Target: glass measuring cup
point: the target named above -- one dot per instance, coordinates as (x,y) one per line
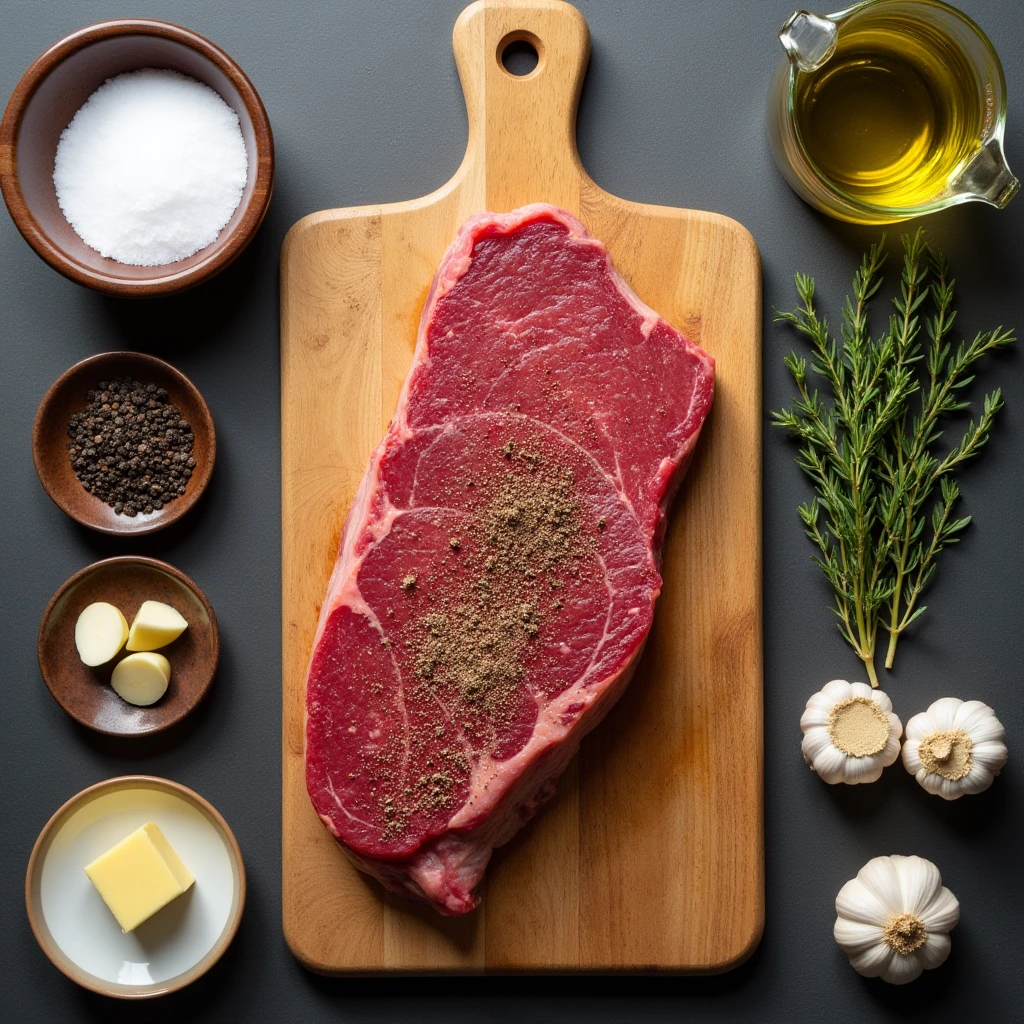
(811,41)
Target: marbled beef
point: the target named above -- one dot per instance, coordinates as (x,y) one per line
(498,569)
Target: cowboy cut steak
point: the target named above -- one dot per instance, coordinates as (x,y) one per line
(498,569)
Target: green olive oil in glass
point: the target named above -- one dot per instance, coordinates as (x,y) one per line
(888,110)
(892,114)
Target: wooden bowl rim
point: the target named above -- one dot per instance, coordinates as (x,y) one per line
(41,931)
(177,508)
(153,563)
(223,251)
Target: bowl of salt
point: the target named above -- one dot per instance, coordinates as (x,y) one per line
(136,158)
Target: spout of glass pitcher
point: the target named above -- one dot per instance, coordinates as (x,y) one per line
(808,39)
(988,177)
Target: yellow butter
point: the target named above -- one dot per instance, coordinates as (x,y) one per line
(139,876)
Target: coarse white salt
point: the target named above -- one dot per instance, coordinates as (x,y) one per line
(151,167)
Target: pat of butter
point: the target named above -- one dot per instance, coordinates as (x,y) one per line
(139,876)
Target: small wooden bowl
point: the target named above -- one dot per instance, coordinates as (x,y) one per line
(125,582)
(179,943)
(70,394)
(48,97)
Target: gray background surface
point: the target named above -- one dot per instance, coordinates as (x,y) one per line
(366,107)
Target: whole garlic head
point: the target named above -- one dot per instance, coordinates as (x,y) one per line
(893,920)
(956,747)
(850,732)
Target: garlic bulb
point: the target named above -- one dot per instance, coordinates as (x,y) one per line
(850,732)
(893,920)
(955,747)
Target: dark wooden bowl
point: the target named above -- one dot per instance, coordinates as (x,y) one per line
(125,582)
(48,97)
(70,394)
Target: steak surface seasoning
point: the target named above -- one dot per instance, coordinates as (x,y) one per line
(131,447)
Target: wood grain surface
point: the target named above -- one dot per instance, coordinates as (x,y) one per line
(650,857)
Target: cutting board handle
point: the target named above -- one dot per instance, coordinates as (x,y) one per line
(522,129)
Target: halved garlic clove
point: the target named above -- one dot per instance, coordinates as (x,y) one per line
(141,679)
(155,625)
(100,633)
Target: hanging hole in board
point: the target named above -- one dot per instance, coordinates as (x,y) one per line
(519,53)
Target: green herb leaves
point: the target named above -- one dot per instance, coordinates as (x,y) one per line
(884,494)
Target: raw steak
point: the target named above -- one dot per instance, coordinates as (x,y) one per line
(498,569)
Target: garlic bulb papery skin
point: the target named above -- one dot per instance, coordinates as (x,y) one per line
(893,920)
(956,747)
(850,732)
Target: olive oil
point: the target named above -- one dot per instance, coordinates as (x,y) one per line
(893,114)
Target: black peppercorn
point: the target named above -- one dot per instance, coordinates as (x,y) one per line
(124,443)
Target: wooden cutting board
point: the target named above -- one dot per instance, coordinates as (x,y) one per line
(650,857)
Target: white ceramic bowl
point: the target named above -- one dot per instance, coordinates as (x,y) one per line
(75,928)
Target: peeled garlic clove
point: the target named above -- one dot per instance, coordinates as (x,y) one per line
(850,732)
(155,625)
(100,633)
(955,748)
(893,920)
(141,679)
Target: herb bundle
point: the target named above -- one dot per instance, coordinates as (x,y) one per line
(884,488)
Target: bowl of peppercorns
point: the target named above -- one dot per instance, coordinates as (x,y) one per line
(124,443)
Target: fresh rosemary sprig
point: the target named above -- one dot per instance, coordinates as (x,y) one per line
(871,451)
